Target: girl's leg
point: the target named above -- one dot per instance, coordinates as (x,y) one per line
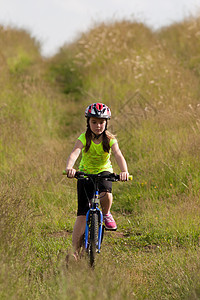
(78,231)
(106,202)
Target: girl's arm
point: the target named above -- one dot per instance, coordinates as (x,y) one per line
(72,159)
(120,161)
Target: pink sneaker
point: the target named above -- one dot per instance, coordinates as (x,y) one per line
(109,222)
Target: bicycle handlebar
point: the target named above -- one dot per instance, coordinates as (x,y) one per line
(110,177)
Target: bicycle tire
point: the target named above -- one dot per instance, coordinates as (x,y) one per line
(93,238)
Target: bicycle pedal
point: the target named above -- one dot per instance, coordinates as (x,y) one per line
(108,229)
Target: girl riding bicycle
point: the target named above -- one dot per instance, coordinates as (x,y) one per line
(96,145)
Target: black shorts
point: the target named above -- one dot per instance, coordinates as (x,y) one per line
(85,191)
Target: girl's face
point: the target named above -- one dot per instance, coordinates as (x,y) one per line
(97,125)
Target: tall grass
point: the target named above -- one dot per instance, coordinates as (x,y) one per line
(151,82)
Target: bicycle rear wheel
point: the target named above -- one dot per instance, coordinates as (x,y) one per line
(93,238)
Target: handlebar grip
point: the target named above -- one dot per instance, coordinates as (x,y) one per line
(130,177)
(78,174)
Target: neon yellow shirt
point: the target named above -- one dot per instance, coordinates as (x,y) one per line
(95,160)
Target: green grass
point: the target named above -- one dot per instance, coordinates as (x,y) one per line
(154,76)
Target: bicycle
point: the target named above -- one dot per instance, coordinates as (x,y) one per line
(94,229)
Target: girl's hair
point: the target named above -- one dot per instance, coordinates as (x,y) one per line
(107,136)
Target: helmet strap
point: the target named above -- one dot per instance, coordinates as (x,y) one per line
(97,136)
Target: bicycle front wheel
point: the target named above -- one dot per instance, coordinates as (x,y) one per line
(93,238)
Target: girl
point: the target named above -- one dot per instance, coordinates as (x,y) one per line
(96,145)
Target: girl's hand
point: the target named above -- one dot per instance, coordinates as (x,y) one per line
(71,172)
(123,176)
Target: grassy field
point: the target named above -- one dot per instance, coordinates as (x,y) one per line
(151,81)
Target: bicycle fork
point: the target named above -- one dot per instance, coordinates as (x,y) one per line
(94,210)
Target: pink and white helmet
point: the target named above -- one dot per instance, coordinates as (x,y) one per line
(98,110)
